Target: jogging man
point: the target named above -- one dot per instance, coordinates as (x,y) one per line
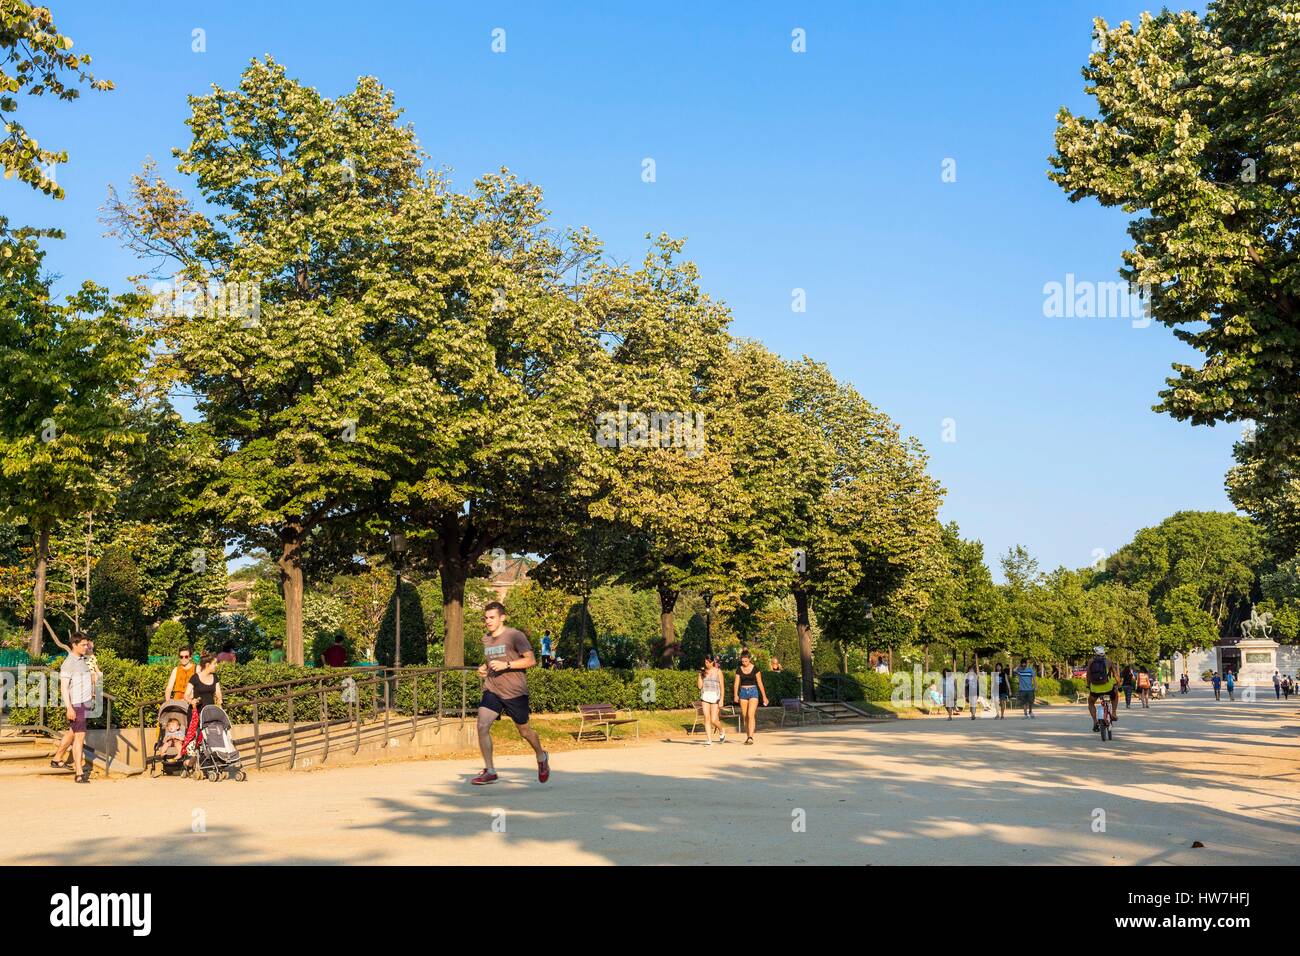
(1102,682)
(1026,682)
(507,655)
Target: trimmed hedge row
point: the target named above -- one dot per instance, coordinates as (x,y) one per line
(132,684)
(871,686)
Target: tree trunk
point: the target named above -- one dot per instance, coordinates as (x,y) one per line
(291,584)
(38,608)
(452,574)
(667,629)
(804,625)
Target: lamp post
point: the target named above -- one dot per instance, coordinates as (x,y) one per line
(398,544)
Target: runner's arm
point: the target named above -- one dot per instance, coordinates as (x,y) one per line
(761,689)
(527,659)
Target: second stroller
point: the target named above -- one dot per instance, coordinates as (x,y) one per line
(215,755)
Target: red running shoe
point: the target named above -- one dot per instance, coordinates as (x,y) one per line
(484,778)
(544,768)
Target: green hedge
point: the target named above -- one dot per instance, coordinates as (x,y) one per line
(550,691)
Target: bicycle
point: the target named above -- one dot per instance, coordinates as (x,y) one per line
(1105,718)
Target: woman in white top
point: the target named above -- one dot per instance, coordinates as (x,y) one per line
(709,681)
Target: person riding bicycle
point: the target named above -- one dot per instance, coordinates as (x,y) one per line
(1103,681)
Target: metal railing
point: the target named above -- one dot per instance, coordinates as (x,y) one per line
(48,698)
(379,687)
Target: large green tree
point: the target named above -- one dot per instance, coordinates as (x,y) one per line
(1206,559)
(66,374)
(35,60)
(874,538)
(281,330)
(1195,134)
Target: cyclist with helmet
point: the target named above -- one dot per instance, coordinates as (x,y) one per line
(1103,681)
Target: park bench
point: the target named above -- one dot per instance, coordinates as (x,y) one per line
(604,717)
(794,707)
(728,711)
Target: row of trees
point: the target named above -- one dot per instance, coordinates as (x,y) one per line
(375,357)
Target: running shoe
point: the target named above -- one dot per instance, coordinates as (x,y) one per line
(484,778)
(544,768)
(749,740)
(722,737)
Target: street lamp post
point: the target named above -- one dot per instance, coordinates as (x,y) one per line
(398,544)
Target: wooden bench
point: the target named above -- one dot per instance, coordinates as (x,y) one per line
(728,711)
(794,707)
(604,717)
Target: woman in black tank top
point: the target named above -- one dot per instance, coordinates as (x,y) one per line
(200,693)
(747,692)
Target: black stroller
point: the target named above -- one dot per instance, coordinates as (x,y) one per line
(215,755)
(168,757)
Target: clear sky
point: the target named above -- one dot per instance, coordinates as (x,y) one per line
(818,171)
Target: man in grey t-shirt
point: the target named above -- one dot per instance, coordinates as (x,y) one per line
(507,655)
(76,690)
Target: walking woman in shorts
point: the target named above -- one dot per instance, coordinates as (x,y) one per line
(709,681)
(747,691)
(949,692)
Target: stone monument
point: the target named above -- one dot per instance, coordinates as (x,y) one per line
(1258,649)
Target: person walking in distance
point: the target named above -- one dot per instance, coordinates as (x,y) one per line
(1002,688)
(1216,682)
(1128,679)
(507,655)
(1277,685)
(949,692)
(1144,686)
(709,682)
(1230,681)
(76,688)
(972,690)
(1027,683)
(747,692)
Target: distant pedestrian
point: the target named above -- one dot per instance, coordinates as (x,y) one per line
(1287,687)
(775,666)
(1128,681)
(336,655)
(1230,681)
(1144,686)
(747,692)
(1277,685)
(77,691)
(548,651)
(593,660)
(972,690)
(1216,681)
(949,692)
(227,654)
(1000,688)
(709,682)
(1027,682)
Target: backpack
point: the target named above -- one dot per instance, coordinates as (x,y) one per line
(1144,681)
(1098,670)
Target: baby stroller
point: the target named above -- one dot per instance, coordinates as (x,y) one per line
(168,758)
(215,755)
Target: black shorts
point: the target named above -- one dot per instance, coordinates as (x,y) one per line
(516,708)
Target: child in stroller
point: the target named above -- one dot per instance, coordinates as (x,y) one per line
(215,755)
(168,754)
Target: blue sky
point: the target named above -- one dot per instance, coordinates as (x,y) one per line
(819,171)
